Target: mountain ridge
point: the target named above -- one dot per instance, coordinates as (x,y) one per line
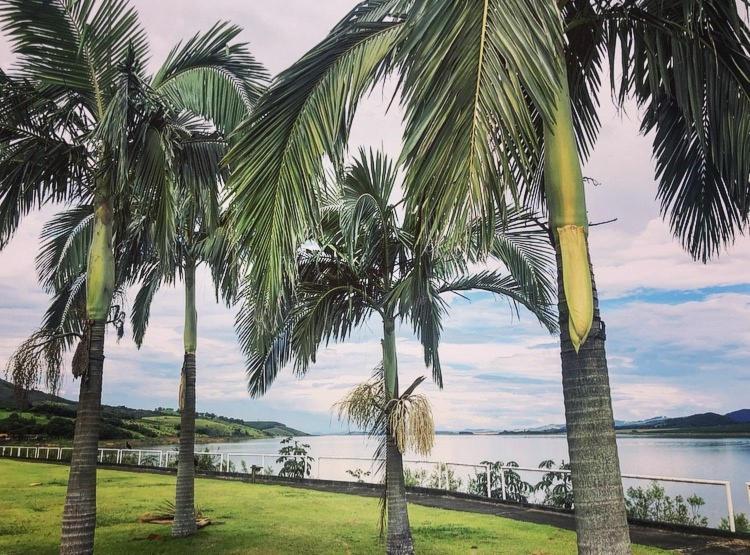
(735,421)
(54,416)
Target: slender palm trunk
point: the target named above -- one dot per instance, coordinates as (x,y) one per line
(184,517)
(79,514)
(601,519)
(399,540)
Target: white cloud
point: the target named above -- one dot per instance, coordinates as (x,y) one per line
(499,372)
(625,262)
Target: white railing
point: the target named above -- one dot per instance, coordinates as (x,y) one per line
(725,483)
(442,469)
(162,459)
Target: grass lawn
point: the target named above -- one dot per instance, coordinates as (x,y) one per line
(248,518)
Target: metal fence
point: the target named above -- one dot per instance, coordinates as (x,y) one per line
(445,476)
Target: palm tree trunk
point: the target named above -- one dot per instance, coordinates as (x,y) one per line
(184,516)
(399,540)
(601,518)
(79,514)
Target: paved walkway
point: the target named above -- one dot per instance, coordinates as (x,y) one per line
(686,541)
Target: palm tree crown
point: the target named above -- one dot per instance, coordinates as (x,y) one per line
(364,263)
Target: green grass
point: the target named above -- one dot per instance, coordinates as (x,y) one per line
(248,518)
(167,425)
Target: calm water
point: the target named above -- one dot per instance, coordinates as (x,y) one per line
(716,459)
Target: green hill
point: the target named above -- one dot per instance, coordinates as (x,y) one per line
(53,417)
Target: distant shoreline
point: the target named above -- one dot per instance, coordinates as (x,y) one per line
(677,433)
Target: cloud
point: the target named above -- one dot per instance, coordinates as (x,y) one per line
(626,262)
(668,353)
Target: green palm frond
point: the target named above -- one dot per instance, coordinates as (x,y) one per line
(472,72)
(212,76)
(65,314)
(151,280)
(505,286)
(65,245)
(155,173)
(523,247)
(39,163)
(262,366)
(585,51)
(365,191)
(345,277)
(419,302)
(687,64)
(277,163)
(73,44)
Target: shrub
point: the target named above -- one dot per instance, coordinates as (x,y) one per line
(741,523)
(414,478)
(359,474)
(444,477)
(557,486)
(296,463)
(515,488)
(652,503)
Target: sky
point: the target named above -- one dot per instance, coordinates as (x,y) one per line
(678,331)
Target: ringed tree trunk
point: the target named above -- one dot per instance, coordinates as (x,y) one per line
(184,516)
(601,518)
(79,513)
(398,537)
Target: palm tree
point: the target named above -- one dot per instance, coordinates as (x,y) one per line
(364,264)
(82,125)
(500,99)
(195,233)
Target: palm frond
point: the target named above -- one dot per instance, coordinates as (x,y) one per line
(467,135)
(209,75)
(688,66)
(150,283)
(506,286)
(65,245)
(277,162)
(73,44)
(523,247)
(39,163)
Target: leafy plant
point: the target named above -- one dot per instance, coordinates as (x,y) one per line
(296,463)
(444,477)
(741,523)
(414,478)
(652,503)
(165,511)
(515,488)
(359,474)
(557,486)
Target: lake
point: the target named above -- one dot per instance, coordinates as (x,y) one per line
(714,459)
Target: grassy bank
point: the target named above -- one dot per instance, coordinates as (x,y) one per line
(50,418)
(248,518)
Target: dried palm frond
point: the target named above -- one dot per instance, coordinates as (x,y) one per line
(165,510)
(38,358)
(80,362)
